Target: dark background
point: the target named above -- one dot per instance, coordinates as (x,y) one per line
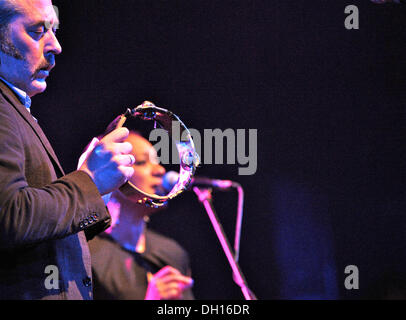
(328,104)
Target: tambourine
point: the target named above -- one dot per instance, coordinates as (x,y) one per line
(189,159)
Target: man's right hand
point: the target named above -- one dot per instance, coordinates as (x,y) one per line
(110,163)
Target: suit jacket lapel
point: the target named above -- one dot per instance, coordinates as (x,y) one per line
(15,102)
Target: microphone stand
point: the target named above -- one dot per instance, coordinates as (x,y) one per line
(205,197)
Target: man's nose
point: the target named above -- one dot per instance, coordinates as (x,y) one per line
(52,45)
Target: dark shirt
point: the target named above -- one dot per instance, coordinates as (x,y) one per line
(120,274)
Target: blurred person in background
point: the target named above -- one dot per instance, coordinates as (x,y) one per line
(129,261)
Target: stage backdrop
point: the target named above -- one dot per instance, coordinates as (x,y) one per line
(328,104)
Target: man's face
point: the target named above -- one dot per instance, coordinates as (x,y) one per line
(32,35)
(148,172)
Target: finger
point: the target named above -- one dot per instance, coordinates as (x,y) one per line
(166,271)
(127,172)
(178,285)
(126,160)
(171,287)
(171,293)
(113,125)
(118,135)
(122,148)
(114,147)
(121,121)
(176,278)
(189,284)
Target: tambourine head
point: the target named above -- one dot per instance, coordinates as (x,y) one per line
(189,159)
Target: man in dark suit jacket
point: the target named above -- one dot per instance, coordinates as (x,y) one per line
(46,217)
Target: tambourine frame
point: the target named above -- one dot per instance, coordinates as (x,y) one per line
(189,160)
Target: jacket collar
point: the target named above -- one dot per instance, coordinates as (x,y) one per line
(21,109)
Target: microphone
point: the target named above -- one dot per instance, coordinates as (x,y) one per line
(171,178)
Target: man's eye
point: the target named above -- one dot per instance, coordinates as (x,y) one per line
(39,30)
(140,163)
(37,33)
